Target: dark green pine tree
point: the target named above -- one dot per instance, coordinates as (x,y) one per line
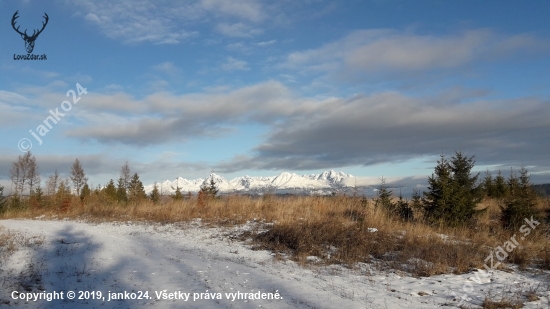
(155,194)
(453,192)
(110,191)
(122,191)
(416,200)
(85,192)
(417,204)
(467,194)
(488,185)
(437,200)
(136,192)
(177,196)
(383,198)
(404,209)
(520,202)
(500,189)
(37,197)
(210,190)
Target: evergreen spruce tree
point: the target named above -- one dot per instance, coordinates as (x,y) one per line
(63,195)
(37,197)
(212,189)
(404,209)
(111,191)
(64,189)
(417,204)
(155,194)
(520,203)
(453,192)
(500,189)
(467,193)
(177,196)
(488,185)
(121,191)
(383,198)
(136,192)
(437,201)
(209,190)
(85,192)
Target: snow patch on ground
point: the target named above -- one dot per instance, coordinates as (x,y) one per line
(190,258)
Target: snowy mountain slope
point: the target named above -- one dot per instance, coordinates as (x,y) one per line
(323,183)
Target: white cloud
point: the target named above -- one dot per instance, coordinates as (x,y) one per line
(239,30)
(140,20)
(267,43)
(170,22)
(383,50)
(114,87)
(12,97)
(250,10)
(239,47)
(312,133)
(167,67)
(129,121)
(391,127)
(93,18)
(232,64)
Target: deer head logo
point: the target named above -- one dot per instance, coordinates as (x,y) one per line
(29,40)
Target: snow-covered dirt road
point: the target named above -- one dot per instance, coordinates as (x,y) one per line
(204,268)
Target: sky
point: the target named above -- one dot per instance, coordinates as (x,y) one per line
(250,87)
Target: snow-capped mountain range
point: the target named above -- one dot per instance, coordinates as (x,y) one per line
(323,183)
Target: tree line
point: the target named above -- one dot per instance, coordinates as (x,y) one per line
(454,194)
(59,192)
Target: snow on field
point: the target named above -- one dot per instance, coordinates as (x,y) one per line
(210,269)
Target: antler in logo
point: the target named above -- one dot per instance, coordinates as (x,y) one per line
(29,40)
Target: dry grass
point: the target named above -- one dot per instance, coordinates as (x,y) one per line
(335,229)
(10,242)
(501,304)
(27,279)
(531,296)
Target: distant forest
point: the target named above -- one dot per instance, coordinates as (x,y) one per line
(543,189)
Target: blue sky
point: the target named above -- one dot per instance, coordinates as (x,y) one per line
(371,88)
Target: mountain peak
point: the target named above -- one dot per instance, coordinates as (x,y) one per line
(285,182)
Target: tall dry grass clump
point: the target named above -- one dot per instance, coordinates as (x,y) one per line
(337,229)
(343,230)
(10,242)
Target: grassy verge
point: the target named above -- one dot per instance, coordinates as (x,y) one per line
(340,229)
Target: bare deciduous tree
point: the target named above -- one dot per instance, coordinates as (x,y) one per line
(3,201)
(16,175)
(52,183)
(78,177)
(24,173)
(125,175)
(33,176)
